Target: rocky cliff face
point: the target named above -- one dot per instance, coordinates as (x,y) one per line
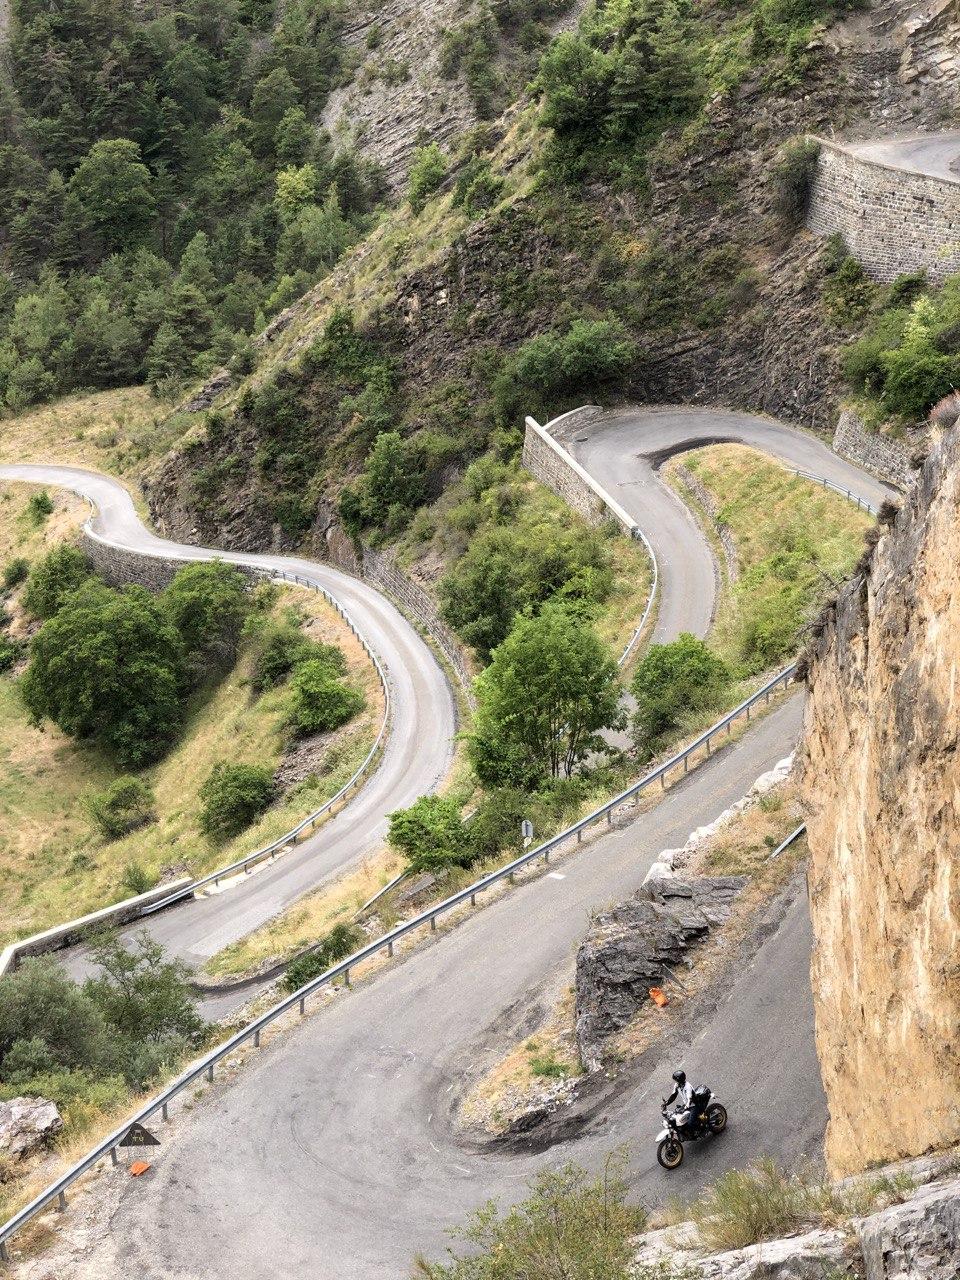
(881,779)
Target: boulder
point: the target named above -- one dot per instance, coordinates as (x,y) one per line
(916,1240)
(27,1123)
(813,1256)
(625,952)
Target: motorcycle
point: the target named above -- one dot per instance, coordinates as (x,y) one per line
(709,1119)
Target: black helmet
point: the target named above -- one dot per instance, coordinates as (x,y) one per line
(680,1077)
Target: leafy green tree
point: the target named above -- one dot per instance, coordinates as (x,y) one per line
(38,1001)
(427,172)
(281,646)
(431,834)
(53,579)
(108,668)
(141,994)
(319,701)
(671,682)
(113,191)
(296,188)
(208,603)
(233,796)
(273,97)
(543,701)
(552,367)
(294,137)
(126,804)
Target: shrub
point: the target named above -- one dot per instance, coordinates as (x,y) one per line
(745,1206)
(671,681)
(340,942)
(233,796)
(791,180)
(431,834)
(123,806)
(15,571)
(54,578)
(39,507)
(319,701)
(108,668)
(549,369)
(208,603)
(427,172)
(572,1224)
(136,879)
(281,647)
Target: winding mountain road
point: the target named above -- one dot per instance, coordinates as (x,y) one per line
(417,755)
(937,155)
(333,1154)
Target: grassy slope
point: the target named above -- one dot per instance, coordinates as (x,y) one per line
(768,510)
(53,868)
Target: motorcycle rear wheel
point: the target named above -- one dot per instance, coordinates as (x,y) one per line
(670,1153)
(717,1118)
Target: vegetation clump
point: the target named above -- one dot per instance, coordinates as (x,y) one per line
(340,942)
(319,700)
(53,578)
(122,807)
(671,682)
(233,796)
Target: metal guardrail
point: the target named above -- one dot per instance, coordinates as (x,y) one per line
(862,503)
(56,1192)
(638,631)
(785,844)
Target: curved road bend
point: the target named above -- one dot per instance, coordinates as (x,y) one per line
(624,450)
(332,1155)
(417,754)
(936,155)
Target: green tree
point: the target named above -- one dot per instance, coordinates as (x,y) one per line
(296,188)
(38,1001)
(53,579)
(233,796)
(126,804)
(141,994)
(427,172)
(543,701)
(431,834)
(113,191)
(319,701)
(108,668)
(208,603)
(672,681)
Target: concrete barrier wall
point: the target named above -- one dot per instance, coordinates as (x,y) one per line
(553,466)
(891,220)
(881,456)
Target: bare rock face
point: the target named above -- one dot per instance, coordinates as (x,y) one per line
(808,1257)
(624,953)
(27,1123)
(918,1240)
(881,784)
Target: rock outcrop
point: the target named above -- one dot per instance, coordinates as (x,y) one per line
(881,783)
(627,948)
(920,1238)
(26,1124)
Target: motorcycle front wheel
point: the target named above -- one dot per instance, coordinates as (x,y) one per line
(717,1118)
(670,1153)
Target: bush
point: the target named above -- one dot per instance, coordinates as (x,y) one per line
(281,647)
(340,942)
(15,571)
(136,879)
(791,180)
(427,172)
(233,796)
(745,1206)
(572,1224)
(671,682)
(208,603)
(122,807)
(108,668)
(432,835)
(54,578)
(554,366)
(319,701)
(39,507)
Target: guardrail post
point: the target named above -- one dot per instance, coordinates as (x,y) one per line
(748,711)
(433,924)
(663,781)
(4,1255)
(164,1112)
(389,948)
(686,764)
(114,1158)
(303,1005)
(210,1073)
(346,977)
(706,743)
(473,899)
(61,1202)
(256,1039)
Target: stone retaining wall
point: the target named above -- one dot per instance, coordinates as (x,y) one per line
(381,569)
(891,220)
(709,504)
(548,462)
(121,568)
(883,457)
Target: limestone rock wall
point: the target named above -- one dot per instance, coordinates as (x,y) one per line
(881,784)
(892,221)
(886,458)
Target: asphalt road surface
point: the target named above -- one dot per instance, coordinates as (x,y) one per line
(333,1155)
(937,154)
(416,758)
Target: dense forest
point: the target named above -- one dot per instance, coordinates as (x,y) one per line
(164,187)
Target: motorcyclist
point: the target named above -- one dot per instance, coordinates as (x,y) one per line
(683,1096)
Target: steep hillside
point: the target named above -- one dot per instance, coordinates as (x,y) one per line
(881,782)
(678,237)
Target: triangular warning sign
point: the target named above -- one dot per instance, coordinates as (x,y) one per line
(138,1136)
